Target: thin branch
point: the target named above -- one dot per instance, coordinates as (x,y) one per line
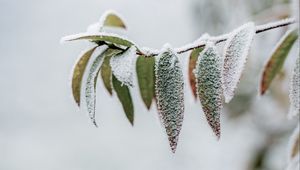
(222,38)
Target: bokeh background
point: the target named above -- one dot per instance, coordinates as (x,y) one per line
(41,128)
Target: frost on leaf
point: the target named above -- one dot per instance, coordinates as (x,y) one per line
(276,61)
(235,53)
(112,19)
(90,87)
(78,72)
(122,66)
(169,93)
(295,90)
(294,144)
(208,75)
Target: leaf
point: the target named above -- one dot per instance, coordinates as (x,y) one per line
(106,72)
(294,144)
(90,87)
(109,38)
(235,53)
(169,93)
(208,75)
(276,61)
(192,64)
(112,19)
(295,90)
(145,76)
(78,72)
(122,66)
(124,96)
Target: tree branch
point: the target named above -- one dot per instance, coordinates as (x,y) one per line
(224,37)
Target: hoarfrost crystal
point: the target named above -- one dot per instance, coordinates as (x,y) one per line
(295,90)
(208,75)
(235,53)
(169,93)
(122,66)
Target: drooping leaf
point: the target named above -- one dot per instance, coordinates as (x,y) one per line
(276,61)
(208,75)
(169,93)
(295,90)
(192,64)
(294,144)
(90,87)
(235,53)
(112,19)
(124,96)
(106,72)
(122,66)
(109,38)
(145,76)
(78,73)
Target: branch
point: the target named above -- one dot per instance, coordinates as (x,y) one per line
(222,38)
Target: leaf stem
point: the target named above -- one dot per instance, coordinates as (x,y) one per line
(222,38)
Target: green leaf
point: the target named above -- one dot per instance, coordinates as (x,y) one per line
(90,87)
(169,93)
(276,61)
(145,76)
(124,96)
(112,19)
(109,38)
(106,72)
(78,72)
(208,74)
(192,64)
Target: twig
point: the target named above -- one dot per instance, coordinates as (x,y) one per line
(222,38)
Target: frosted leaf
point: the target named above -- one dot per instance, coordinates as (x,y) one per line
(208,75)
(169,93)
(122,66)
(90,87)
(235,53)
(111,18)
(294,144)
(78,71)
(294,164)
(295,90)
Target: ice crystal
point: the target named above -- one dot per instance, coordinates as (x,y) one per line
(90,89)
(169,93)
(295,90)
(122,66)
(208,75)
(235,53)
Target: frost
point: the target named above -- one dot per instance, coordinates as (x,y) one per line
(94,28)
(235,56)
(294,144)
(90,89)
(169,93)
(111,18)
(122,66)
(208,75)
(295,90)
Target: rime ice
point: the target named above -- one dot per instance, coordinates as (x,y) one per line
(90,89)
(122,66)
(295,90)
(235,53)
(208,75)
(169,93)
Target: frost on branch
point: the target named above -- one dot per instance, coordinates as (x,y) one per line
(169,93)
(208,75)
(235,53)
(90,87)
(295,90)
(122,66)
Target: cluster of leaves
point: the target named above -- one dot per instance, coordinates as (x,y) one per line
(212,76)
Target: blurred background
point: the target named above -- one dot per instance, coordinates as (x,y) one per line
(41,127)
